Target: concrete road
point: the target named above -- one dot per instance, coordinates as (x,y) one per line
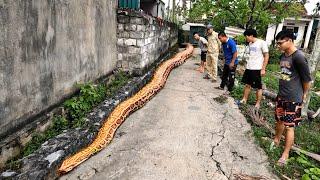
(182,133)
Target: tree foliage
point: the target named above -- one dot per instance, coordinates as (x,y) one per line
(245,13)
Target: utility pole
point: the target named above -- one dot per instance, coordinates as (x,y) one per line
(173,10)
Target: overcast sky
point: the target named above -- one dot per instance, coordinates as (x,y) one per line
(309,6)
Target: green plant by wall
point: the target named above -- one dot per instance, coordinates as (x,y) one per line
(91,95)
(78,106)
(59,124)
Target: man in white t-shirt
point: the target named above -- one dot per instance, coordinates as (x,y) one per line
(256,66)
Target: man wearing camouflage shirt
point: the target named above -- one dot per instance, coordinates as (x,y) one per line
(212,54)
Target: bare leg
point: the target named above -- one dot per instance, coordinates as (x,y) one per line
(259,97)
(279,131)
(202,66)
(246,92)
(289,142)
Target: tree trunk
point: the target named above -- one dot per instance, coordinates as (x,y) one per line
(313,63)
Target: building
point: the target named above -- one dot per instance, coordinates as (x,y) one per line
(155,8)
(190,28)
(302,28)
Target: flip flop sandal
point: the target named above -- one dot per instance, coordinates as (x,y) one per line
(282,162)
(238,102)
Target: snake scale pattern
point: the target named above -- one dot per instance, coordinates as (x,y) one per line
(118,115)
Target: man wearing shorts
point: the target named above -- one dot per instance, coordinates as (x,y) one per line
(203,44)
(294,84)
(256,66)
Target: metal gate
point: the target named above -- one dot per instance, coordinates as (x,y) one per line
(132,4)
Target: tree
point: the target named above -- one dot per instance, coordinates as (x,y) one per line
(313,62)
(246,14)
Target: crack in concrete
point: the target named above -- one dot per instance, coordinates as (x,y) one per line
(221,133)
(236,154)
(218,165)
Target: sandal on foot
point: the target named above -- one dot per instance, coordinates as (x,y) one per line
(282,162)
(238,102)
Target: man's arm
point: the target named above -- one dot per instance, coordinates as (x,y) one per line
(234,57)
(234,54)
(301,65)
(305,87)
(265,62)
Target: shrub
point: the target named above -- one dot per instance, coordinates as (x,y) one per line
(240,39)
(274,55)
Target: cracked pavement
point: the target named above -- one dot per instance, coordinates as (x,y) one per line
(182,133)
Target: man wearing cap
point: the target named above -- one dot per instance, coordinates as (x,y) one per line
(212,54)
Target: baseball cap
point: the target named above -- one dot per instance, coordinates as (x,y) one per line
(209,26)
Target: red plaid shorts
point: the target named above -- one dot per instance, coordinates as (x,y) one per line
(288,112)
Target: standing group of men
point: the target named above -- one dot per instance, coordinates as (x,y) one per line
(294,81)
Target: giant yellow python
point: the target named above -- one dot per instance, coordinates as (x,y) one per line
(119,114)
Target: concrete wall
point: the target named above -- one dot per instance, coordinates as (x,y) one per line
(142,39)
(47,47)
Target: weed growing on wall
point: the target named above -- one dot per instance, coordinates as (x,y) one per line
(77,107)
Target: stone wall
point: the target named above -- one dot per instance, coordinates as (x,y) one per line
(142,40)
(47,47)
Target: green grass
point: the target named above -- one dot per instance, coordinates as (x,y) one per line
(316,86)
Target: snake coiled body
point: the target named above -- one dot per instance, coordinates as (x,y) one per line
(130,105)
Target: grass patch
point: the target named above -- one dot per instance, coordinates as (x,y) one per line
(59,124)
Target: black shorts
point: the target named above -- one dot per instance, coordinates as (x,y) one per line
(288,112)
(252,78)
(203,56)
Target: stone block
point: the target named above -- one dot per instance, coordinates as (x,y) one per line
(146,34)
(130,42)
(141,28)
(123,34)
(120,27)
(120,41)
(122,49)
(136,20)
(120,57)
(134,50)
(130,27)
(123,19)
(141,42)
(136,35)
(151,34)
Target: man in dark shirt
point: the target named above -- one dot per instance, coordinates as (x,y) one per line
(231,61)
(294,84)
